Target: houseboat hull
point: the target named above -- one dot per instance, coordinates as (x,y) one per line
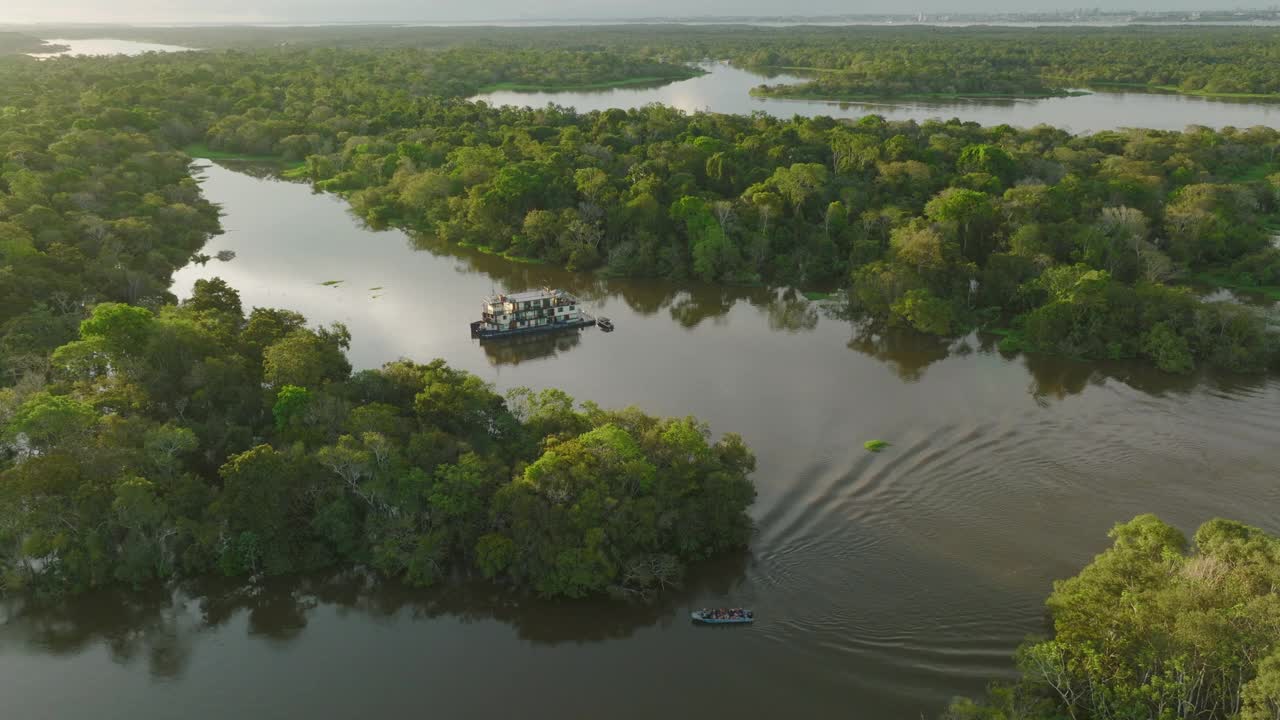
(528,312)
(478,332)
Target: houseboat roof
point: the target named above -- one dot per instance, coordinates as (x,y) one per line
(527,295)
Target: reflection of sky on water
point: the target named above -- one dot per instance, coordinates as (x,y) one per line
(106,46)
(726,89)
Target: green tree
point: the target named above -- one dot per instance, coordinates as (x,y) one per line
(989,159)
(146,551)
(302,358)
(1262,694)
(924,312)
(45,421)
(123,328)
(972,215)
(1167,349)
(1151,629)
(291,406)
(255,513)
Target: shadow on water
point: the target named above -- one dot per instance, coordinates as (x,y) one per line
(523,348)
(908,353)
(163,626)
(689,304)
(143,625)
(1058,378)
(259,169)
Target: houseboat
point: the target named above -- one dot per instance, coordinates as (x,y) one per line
(529,312)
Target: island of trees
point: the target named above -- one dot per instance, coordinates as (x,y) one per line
(192,439)
(1155,629)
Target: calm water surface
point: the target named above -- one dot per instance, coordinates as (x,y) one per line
(106,46)
(727,90)
(883,583)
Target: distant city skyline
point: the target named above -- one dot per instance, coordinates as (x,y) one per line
(335,11)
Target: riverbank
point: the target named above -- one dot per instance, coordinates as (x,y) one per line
(288,170)
(793,92)
(12,43)
(646,81)
(498,253)
(811,91)
(200,150)
(1175,90)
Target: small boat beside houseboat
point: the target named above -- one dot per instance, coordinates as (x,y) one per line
(605,324)
(532,311)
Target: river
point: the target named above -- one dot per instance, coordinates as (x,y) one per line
(883,583)
(726,89)
(105,46)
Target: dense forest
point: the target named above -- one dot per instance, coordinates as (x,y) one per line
(1021,62)
(143,440)
(1068,244)
(1153,629)
(194,439)
(862,60)
(14,43)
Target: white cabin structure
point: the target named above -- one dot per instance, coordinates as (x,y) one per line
(529,311)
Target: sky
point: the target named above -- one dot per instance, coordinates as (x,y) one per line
(321,11)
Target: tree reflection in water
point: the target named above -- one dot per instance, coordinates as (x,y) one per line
(1057,378)
(909,353)
(151,625)
(689,304)
(792,312)
(165,625)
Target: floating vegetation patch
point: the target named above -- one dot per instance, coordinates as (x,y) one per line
(226,255)
(875,445)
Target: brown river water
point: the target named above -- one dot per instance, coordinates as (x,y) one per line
(883,584)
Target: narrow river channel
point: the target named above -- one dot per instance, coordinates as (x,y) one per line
(726,89)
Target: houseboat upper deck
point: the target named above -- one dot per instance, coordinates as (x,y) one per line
(528,312)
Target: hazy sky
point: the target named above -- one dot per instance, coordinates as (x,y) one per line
(315,11)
